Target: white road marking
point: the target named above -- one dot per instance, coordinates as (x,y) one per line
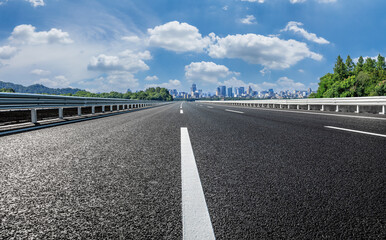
(181,104)
(209,107)
(181,111)
(228,110)
(196,223)
(200,105)
(324,114)
(356,131)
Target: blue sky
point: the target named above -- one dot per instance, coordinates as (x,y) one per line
(114,45)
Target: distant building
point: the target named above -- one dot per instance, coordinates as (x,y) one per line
(218,92)
(129,90)
(249,91)
(223,91)
(230,93)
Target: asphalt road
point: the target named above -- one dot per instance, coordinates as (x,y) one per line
(265,175)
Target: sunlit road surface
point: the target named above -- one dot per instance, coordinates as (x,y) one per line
(247,173)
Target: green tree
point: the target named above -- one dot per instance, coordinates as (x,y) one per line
(359,66)
(340,68)
(370,65)
(7,90)
(350,65)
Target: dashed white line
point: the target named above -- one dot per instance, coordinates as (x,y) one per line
(356,131)
(196,223)
(234,111)
(181,111)
(209,107)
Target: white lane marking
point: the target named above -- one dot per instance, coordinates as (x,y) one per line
(209,107)
(228,110)
(181,104)
(181,111)
(196,223)
(356,131)
(324,114)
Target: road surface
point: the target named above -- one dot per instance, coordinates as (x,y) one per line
(188,168)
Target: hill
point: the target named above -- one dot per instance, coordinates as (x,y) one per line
(38,88)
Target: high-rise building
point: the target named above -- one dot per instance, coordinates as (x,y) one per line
(193,88)
(249,91)
(230,93)
(241,91)
(223,91)
(218,92)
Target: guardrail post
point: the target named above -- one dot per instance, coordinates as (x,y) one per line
(60,113)
(289,106)
(34,115)
(93,109)
(103,108)
(309,107)
(383,110)
(322,108)
(280,106)
(337,108)
(298,107)
(118,107)
(79,111)
(111,108)
(357,111)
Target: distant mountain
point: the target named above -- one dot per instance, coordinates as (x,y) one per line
(38,88)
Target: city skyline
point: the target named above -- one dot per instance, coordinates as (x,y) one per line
(238,92)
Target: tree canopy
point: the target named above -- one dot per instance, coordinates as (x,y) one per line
(160,94)
(365,78)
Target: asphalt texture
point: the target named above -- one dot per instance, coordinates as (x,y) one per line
(265,175)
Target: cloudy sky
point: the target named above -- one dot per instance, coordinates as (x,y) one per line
(114,45)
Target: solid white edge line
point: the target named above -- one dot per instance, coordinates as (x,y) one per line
(356,131)
(324,114)
(196,223)
(229,110)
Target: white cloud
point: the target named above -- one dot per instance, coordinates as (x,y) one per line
(225,8)
(3,2)
(249,19)
(57,82)
(301,70)
(40,72)
(355,60)
(294,27)
(284,83)
(326,1)
(132,39)
(151,78)
(36,3)
(271,52)
(297,1)
(126,61)
(26,34)
(206,72)
(117,81)
(259,1)
(7,52)
(178,37)
(171,84)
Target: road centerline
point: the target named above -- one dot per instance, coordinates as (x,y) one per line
(234,111)
(196,223)
(209,107)
(181,111)
(356,131)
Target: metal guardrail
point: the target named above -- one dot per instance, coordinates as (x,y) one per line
(311,103)
(38,101)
